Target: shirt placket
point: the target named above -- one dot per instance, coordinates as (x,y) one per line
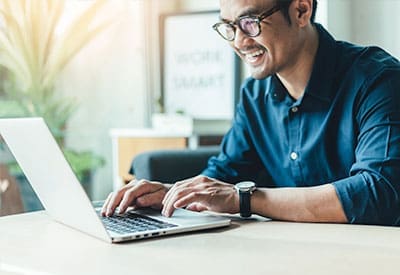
(294,114)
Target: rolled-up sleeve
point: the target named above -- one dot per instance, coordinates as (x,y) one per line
(371,193)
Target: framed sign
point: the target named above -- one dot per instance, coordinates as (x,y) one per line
(200,71)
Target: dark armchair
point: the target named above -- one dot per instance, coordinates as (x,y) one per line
(169,166)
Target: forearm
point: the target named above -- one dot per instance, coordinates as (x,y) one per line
(308,204)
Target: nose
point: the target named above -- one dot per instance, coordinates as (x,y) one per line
(241,39)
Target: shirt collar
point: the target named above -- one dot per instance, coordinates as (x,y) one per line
(323,72)
(322,76)
(277,91)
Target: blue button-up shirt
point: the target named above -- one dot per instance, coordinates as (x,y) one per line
(345,130)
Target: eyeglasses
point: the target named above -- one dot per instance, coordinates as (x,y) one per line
(250,25)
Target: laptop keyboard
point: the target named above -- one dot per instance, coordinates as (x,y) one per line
(133,222)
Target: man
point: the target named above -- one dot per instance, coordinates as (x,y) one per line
(320,118)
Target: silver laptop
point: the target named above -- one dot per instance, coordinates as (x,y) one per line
(60,192)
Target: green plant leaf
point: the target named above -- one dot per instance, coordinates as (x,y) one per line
(78,35)
(33,54)
(83,163)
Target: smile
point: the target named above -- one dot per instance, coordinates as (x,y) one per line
(253,57)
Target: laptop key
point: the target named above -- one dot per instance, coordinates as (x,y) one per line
(133,222)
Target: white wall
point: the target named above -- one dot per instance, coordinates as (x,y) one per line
(108,79)
(339,18)
(366,22)
(377,23)
(199,4)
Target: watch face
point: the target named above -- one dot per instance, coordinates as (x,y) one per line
(245,185)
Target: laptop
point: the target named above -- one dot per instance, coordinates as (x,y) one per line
(44,165)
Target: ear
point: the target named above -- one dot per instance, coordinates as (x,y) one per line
(303,12)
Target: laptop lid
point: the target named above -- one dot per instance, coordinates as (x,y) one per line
(60,192)
(50,175)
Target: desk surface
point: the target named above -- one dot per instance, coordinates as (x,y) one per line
(35,245)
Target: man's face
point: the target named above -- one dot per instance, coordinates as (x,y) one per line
(274,49)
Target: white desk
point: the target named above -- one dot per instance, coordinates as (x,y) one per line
(33,244)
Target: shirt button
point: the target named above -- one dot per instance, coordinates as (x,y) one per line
(295,109)
(294,155)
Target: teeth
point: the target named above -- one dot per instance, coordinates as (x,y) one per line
(252,57)
(259,52)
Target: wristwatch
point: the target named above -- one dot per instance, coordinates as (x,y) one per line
(245,189)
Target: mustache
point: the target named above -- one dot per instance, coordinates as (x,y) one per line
(251,48)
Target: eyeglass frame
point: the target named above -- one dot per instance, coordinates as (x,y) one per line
(257,19)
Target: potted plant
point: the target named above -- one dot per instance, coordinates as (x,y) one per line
(33,53)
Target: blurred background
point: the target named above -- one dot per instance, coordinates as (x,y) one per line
(92,66)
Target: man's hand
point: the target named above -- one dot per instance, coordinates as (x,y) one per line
(137,194)
(201,193)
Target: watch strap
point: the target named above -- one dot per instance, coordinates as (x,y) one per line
(244,203)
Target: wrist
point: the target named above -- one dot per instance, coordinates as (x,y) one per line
(258,202)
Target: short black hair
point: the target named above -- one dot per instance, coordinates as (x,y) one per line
(284,4)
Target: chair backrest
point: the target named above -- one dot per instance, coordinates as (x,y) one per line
(169,166)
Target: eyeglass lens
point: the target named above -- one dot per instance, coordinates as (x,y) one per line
(249,26)
(227,31)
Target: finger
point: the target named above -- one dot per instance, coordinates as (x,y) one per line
(127,200)
(136,192)
(181,189)
(113,203)
(169,194)
(116,198)
(175,194)
(168,199)
(172,190)
(180,193)
(151,200)
(105,205)
(198,207)
(192,198)
(180,184)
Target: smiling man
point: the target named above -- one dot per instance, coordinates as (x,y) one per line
(319,119)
